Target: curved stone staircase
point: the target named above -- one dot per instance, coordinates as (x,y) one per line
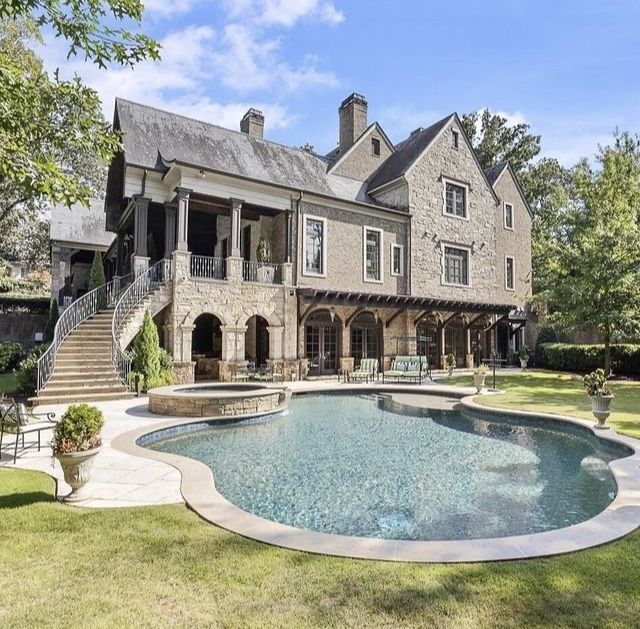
(84,370)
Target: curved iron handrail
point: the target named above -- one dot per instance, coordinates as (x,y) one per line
(80,310)
(144,283)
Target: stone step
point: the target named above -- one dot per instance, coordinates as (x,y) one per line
(66,380)
(79,398)
(66,363)
(102,341)
(89,387)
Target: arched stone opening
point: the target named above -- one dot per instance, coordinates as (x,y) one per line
(206,345)
(428,339)
(256,344)
(455,338)
(323,342)
(480,338)
(366,337)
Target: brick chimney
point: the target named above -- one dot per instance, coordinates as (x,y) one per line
(252,123)
(353,120)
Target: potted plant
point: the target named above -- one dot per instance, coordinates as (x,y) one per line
(450,362)
(479,375)
(76,443)
(263,256)
(523,355)
(595,384)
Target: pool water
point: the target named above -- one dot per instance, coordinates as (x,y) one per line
(368,467)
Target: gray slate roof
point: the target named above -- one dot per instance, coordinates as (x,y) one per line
(152,138)
(406,153)
(80,225)
(495,171)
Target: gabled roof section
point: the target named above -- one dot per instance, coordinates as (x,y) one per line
(495,172)
(407,152)
(155,139)
(335,157)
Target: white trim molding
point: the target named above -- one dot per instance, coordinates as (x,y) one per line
(395,246)
(459,184)
(513,273)
(455,245)
(305,271)
(504,216)
(368,280)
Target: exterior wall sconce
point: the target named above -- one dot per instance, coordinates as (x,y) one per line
(332,313)
(376,315)
(202,175)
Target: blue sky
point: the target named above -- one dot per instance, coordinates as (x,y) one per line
(570,69)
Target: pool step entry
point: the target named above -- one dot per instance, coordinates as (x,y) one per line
(83,370)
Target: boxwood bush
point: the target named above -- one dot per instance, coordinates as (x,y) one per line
(11,352)
(625,358)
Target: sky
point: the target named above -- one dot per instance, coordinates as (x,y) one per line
(568,68)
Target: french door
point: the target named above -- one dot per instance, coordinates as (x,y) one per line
(322,348)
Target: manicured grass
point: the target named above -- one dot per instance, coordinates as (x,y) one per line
(163,566)
(8,383)
(560,393)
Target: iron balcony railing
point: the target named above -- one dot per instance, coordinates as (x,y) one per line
(80,310)
(263,273)
(208,268)
(143,284)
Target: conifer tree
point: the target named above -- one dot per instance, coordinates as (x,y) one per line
(146,359)
(54,315)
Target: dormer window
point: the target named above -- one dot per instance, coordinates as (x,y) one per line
(455,139)
(375,147)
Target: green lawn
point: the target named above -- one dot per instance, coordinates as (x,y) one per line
(8,383)
(559,393)
(163,566)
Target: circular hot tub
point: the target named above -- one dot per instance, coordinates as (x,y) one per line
(218,400)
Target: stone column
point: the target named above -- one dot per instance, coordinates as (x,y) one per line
(467,347)
(233,342)
(169,230)
(182,195)
(234,269)
(287,274)
(236,232)
(275,341)
(140,262)
(443,351)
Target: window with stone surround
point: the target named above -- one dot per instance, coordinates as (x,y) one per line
(397,259)
(508,216)
(455,200)
(509,273)
(455,139)
(455,265)
(375,147)
(372,254)
(314,245)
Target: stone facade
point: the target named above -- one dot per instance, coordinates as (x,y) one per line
(360,161)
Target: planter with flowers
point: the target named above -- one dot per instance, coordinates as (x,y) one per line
(523,355)
(450,363)
(76,443)
(600,394)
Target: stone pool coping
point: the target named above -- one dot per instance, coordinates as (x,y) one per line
(620,518)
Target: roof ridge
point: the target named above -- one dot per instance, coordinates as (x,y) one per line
(217,126)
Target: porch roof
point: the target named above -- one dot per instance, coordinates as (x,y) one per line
(321,296)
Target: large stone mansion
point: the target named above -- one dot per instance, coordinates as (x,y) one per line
(280,255)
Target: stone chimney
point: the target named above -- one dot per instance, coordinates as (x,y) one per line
(353,120)
(252,123)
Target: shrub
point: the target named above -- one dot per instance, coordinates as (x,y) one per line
(27,370)
(10,354)
(547,334)
(595,383)
(96,275)
(7,284)
(78,430)
(625,358)
(166,360)
(54,315)
(146,359)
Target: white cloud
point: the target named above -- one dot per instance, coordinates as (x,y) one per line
(166,8)
(284,12)
(400,120)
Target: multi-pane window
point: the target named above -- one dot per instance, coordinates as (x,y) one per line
(509,272)
(456,266)
(396,260)
(314,246)
(372,257)
(508,215)
(456,202)
(375,146)
(455,139)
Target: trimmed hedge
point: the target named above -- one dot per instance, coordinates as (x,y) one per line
(11,352)
(625,358)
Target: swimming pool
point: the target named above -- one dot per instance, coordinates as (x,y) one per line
(365,466)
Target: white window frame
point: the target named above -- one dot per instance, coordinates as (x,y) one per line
(453,182)
(455,139)
(513,216)
(365,229)
(454,245)
(305,271)
(395,246)
(506,275)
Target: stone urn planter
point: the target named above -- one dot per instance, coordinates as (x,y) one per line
(76,467)
(450,363)
(601,408)
(478,380)
(524,362)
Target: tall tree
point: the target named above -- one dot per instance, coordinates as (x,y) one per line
(598,264)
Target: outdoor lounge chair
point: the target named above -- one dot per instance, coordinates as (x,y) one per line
(16,419)
(407,368)
(367,370)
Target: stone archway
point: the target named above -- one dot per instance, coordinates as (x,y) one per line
(206,345)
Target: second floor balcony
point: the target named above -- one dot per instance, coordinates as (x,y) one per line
(216,268)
